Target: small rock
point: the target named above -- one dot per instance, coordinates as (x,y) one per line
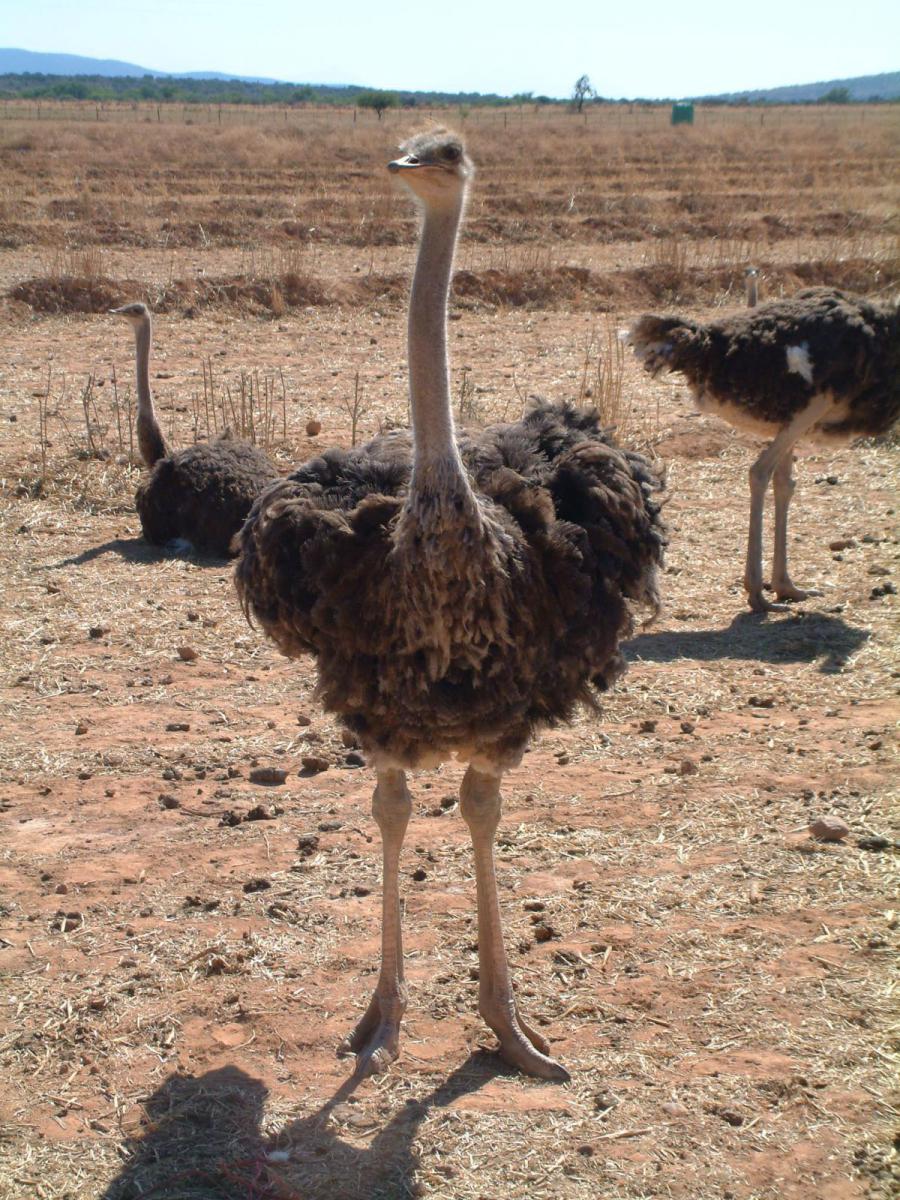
(307,844)
(314,763)
(168,801)
(829,829)
(81,729)
(187,653)
(260,812)
(874,844)
(349,740)
(313,427)
(731,1116)
(354,759)
(65,922)
(688,726)
(97,631)
(647,726)
(360,890)
(543,932)
(271,776)
(419,874)
(61,889)
(604,1101)
(761,701)
(328,826)
(177,727)
(193,616)
(673,1109)
(257,885)
(687,767)
(303,719)
(534,905)
(842,544)
(230,818)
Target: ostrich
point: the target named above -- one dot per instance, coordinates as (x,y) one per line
(821,365)
(456,594)
(201,494)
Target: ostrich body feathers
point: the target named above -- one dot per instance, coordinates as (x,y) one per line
(459,627)
(202,494)
(765,364)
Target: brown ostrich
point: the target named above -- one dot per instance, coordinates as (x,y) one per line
(201,494)
(822,365)
(456,595)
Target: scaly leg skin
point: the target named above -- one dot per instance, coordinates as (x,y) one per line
(783,486)
(761,472)
(520,1045)
(376,1039)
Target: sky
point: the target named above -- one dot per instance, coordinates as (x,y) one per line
(647,48)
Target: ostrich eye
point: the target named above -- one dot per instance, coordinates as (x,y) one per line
(451,153)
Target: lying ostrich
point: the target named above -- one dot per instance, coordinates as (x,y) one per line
(821,365)
(455,596)
(201,494)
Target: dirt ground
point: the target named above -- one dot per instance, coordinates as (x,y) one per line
(182,948)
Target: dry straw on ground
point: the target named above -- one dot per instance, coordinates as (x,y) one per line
(183,947)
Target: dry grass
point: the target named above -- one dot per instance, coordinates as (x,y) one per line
(717,982)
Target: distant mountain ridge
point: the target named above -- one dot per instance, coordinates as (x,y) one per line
(860,87)
(20,62)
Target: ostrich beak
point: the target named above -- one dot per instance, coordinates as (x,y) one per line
(406,163)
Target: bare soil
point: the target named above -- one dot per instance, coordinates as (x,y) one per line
(183,947)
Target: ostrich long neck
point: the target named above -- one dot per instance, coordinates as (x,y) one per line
(436,464)
(151,442)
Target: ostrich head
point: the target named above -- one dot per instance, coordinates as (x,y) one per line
(434,166)
(136,313)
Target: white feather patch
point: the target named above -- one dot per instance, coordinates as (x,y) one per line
(799,362)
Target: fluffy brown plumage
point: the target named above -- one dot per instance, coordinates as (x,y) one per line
(201,494)
(578,537)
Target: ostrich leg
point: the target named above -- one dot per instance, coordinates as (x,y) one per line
(520,1045)
(783,486)
(376,1039)
(781,447)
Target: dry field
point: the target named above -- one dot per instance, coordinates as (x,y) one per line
(182,948)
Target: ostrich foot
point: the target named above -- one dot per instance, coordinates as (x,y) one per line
(523,1047)
(375,1039)
(759,603)
(789,591)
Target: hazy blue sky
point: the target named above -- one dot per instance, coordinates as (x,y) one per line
(642,48)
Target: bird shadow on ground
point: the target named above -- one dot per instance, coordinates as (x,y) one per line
(136,550)
(202,1139)
(803,637)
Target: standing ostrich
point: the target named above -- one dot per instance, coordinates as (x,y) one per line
(455,596)
(201,494)
(821,365)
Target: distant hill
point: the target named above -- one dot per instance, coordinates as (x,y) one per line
(861,87)
(19,62)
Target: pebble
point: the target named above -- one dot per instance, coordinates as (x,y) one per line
(307,844)
(688,767)
(257,885)
(354,759)
(97,631)
(688,726)
(842,544)
(303,719)
(648,726)
(673,1109)
(187,653)
(419,874)
(829,829)
(313,427)
(168,801)
(314,763)
(177,727)
(269,775)
(81,729)
(544,933)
